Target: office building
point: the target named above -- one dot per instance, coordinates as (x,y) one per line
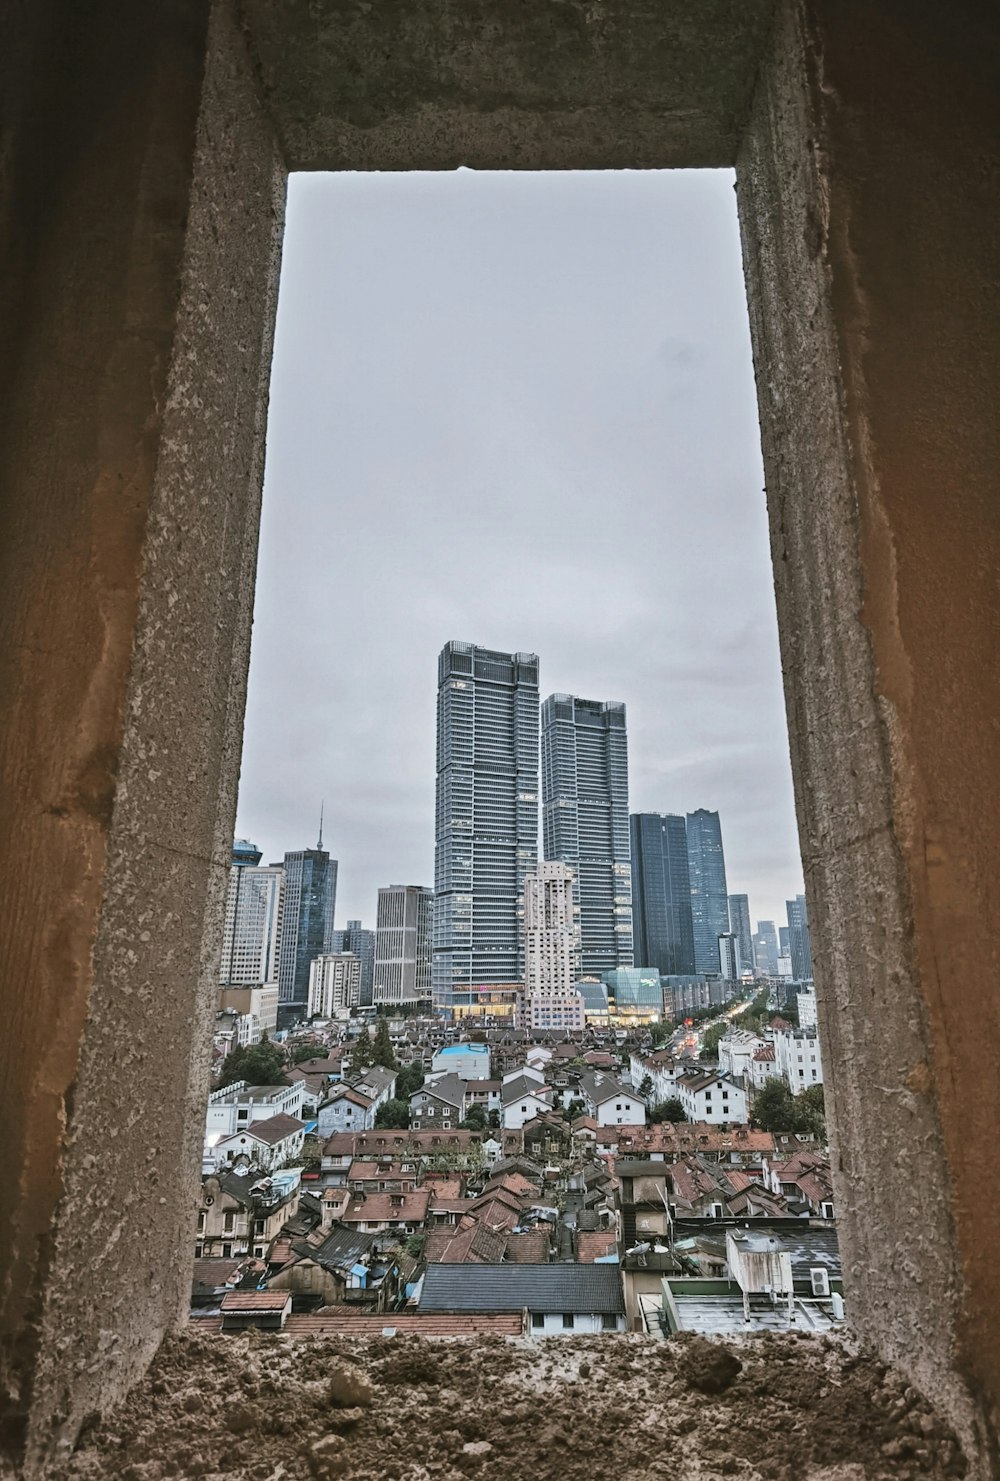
(251,938)
(486,819)
(765,949)
(307,919)
(799,944)
(357,939)
(709,896)
(635,994)
(663,933)
(585,821)
(334,984)
(740,925)
(783,947)
(246,853)
(404,928)
(730,959)
(550,950)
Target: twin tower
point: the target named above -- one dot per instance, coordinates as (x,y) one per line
(486,820)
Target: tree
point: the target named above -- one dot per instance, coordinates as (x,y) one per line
(575,1108)
(668,1110)
(811,1107)
(382,1047)
(494,1119)
(475,1119)
(363,1051)
(774,1107)
(394,1114)
(646,1087)
(257,1064)
(409,1080)
(305,1049)
(710,1042)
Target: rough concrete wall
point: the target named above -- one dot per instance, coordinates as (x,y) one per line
(142,226)
(866,225)
(504,85)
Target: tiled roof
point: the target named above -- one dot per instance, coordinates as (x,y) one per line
(410,1208)
(429,1324)
(272,1130)
(595,1244)
(256,1301)
(508,1287)
(529,1248)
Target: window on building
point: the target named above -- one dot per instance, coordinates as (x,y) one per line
(569,1320)
(537,1319)
(609,1323)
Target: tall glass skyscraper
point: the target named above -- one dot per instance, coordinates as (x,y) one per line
(740,925)
(661,893)
(307,918)
(585,820)
(709,896)
(799,943)
(486,829)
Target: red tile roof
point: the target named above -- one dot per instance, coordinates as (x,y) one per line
(256,1301)
(594,1244)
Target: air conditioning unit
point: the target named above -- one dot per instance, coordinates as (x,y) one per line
(819,1278)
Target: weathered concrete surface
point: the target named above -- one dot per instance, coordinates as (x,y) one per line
(142,209)
(507,84)
(868,219)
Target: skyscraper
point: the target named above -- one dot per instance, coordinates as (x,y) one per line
(661,893)
(765,948)
(799,943)
(252,931)
(334,983)
(709,897)
(550,949)
(486,826)
(307,920)
(585,820)
(356,939)
(739,924)
(403,944)
(730,962)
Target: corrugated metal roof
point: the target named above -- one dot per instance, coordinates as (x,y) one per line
(545,1288)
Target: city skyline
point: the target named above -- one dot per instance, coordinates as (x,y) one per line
(517,410)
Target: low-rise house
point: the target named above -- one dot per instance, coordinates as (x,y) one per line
(805,1182)
(547,1137)
(241,1215)
(559,1298)
(240,1105)
(264,1310)
(736,1053)
(707,1095)
(382,1174)
(763,1065)
(439,1104)
(660,1067)
(742,1146)
(610,1102)
(346,1109)
(405,1213)
(798,1056)
(328,1272)
(524,1098)
(266,1144)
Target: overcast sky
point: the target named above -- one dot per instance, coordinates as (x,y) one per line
(516,410)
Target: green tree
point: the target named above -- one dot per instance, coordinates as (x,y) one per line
(774,1107)
(667,1110)
(363,1051)
(646,1087)
(409,1080)
(810,1107)
(494,1119)
(305,1049)
(475,1119)
(257,1064)
(394,1114)
(710,1042)
(382,1047)
(575,1108)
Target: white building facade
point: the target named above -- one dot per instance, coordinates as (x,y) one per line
(798,1058)
(334,984)
(404,930)
(251,938)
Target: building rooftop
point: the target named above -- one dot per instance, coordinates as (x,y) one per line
(545,1288)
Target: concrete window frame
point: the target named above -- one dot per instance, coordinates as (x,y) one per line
(146,154)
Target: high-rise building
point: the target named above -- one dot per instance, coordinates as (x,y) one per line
(307,920)
(357,939)
(663,933)
(585,821)
(251,939)
(709,896)
(730,960)
(799,943)
(740,925)
(550,950)
(486,825)
(334,983)
(783,947)
(245,852)
(403,944)
(765,948)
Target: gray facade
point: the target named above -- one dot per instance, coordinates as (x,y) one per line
(799,943)
(486,828)
(709,897)
(403,944)
(765,948)
(740,925)
(661,893)
(307,918)
(586,823)
(360,942)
